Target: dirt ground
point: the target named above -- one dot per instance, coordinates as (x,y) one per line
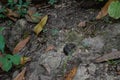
(73,45)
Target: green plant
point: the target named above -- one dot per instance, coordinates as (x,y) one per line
(22,7)
(114,9)
(18,6)
(7,60)
(2,10)
(52,2)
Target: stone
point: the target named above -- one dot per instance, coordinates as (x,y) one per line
(81,73)
(96,43)
(43,77)
(92,68)
(34,76)
(53,59)
(15,74)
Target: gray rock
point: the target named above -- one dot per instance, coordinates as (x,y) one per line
(34,76)
(16,33)
(95,43)
(92,68)
(53,59)
(43,77)
(15,74)
(81,73)
(109,77)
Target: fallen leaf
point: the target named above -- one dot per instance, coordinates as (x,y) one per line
(33,16)
(118,72)
(104,10)
(71,74)
(51,47)
(24,60)
(21,75)
(110,56)
(20,45)
(39,27)
(12,13)
(31,11)
(82,24)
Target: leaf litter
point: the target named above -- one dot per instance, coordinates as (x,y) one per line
(21,44)
(39,27)
(110,56)
(21,75)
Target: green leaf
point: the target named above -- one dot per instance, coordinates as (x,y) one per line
(10,1)
(6,64)
(114,9)
(7,61)
(52,2)
(16,59)
(20,2)
(2,43)
(37,14)
(1,29)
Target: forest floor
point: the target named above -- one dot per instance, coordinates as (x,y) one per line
(71,38)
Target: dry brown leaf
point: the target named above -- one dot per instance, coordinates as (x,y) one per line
(110,56)
(21,75)
(82,24)
(12,13)
(118,72)
(104,10)
(51,47)
(31,11)
(71,74)
(31,17)
(20,45)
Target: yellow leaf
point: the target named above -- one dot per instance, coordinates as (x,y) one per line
(21,75)
(24,60)
(104,10)
(39,27)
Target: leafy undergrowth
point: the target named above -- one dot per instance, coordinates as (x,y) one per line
(7,60)
(15,9)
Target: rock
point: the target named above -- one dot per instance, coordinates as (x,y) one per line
(81,73)
(92,68)
(43,77)
(53,59)
(95,43)
(34,76)
(108,77)
(15,74)
(69,48)
(16,33)
(84,72)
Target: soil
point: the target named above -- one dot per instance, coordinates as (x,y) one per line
(95,38)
